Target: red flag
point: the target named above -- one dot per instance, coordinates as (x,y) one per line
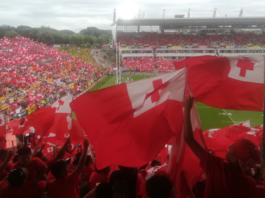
(75,130)
(129,124)
(60,125)
(227,82)
(219,140)
(184,166)
(2,125)
(42,120)
(14,124)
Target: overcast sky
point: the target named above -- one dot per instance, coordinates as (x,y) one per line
(79,14)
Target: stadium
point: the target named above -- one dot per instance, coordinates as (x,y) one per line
(128,102)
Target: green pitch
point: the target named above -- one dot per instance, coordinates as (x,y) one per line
(211,117)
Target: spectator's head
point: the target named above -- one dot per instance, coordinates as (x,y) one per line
(3,154)
(127,169)
(104,170)
(24,156)
(158,186)
(155,163)
(17,177)
(59,169)
(103,190)
(39,155)
(243,152)
(89,161)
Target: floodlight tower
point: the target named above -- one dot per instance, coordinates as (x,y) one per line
(164,12)
(215,14)
(189,14)
(242,12)
(114,16)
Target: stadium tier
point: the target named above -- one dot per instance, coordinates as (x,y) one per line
(34,75)
(217,36)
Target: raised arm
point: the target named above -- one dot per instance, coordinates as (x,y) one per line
(62,150)
(4,164)
(83,157)
(197,149)
(37,146)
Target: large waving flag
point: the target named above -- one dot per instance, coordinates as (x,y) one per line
(129,124)
(219,140)
(184,166)
(227,82)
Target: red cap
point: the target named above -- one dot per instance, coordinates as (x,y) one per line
(247,152)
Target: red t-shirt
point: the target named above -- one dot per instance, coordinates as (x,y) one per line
(49,164)
(35,165)
(28,190)
(65,187)
(9,166)
(96,178)
(87,171)
(224,180)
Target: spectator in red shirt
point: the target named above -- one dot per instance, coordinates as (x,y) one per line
(3,155)
(226,179)
(16,186)
(98,176)
(65,184)
(88,168)
(35,167)
(158,186)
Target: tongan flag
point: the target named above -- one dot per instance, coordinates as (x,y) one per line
(219,140)
(60,126)
(184,166)
(234,82)
(129,124)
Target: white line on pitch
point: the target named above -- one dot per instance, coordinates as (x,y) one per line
(229,116)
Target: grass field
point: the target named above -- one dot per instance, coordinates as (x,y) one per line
(210,117)
(84,54)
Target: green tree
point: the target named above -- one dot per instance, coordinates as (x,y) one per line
(11,34)
(45,37)
(88,39)
(76,39)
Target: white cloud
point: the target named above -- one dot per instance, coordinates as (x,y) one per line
(79,14)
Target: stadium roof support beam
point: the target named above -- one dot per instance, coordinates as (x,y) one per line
(114,16)
(242,12)
(189,15)
(215,12)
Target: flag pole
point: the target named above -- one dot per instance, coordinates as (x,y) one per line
(264,98)
(120,61)
(117,64)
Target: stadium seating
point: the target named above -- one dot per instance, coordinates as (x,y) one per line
(162,39)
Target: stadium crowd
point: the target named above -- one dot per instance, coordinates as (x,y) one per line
(71,171)
(34,75)
(238,39)
(146,64)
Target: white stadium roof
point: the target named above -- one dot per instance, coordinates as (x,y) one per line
(202,21)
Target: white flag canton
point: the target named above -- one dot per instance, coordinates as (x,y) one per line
(248,69)
(148,93)
(2,120)
(62,105)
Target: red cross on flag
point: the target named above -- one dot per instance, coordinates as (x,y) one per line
(2,125)
(234,82)
(129,124)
